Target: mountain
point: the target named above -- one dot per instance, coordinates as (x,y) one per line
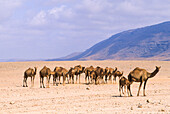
(147,43)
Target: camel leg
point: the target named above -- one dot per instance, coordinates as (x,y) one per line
(43,82)
(47,82)
(59,79)
(86,79)
(72,79)
(76,78)
(54,80)
(40,82)
(144,88)
(125,90)
(79,78)
(91,79)
(33,80)
(130,94)
(24,82)
(114,79)
(139,88)
(64,78)
(106,79)
(120,89)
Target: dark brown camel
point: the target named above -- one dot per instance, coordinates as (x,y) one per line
(60,71)
(29,73)
(45,72)
(141,75)
(88,71)
(123,83)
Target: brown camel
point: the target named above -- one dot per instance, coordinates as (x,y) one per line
(109,72)
(29,73)
(112,72)
(79,70)
(92,76)
(141,75)
(117,74)
(99,74)
(60,71)
(71,74)
(106,73)
(88,71)
(45,72)
(123,83)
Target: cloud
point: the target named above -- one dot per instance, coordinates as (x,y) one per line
(39,19)
(71,25)
(7,7)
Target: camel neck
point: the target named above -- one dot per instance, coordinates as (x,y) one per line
(153,73)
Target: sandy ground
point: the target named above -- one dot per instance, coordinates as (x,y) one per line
(75,98)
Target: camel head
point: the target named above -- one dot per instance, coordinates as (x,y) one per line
(158,68)
(115,69)
(35,70)
(83,69)
(155,72)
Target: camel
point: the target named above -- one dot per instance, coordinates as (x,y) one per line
(106,73)
(123,83)
(29,73)
(99,74)
(117,74)
(141,75)
(112,72)
(45,72)
(88,70)
(60,71)
(92,75)
(79,70)
(71,74)
(109,72)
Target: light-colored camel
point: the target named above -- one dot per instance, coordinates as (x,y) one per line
(141,75)
(45,72)
(123,83)
(60,71)
(29,73)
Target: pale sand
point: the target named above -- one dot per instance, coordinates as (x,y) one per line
(75,98)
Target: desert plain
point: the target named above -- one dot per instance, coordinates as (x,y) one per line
(76,98)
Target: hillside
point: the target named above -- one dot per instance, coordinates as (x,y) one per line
(151,42)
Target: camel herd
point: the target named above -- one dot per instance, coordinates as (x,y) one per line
(91,75)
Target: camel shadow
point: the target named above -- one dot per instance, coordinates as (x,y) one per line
(121,96)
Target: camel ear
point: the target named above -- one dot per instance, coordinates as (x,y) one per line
(122,72)
(158,67)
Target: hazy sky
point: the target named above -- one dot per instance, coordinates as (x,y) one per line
(33,29)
